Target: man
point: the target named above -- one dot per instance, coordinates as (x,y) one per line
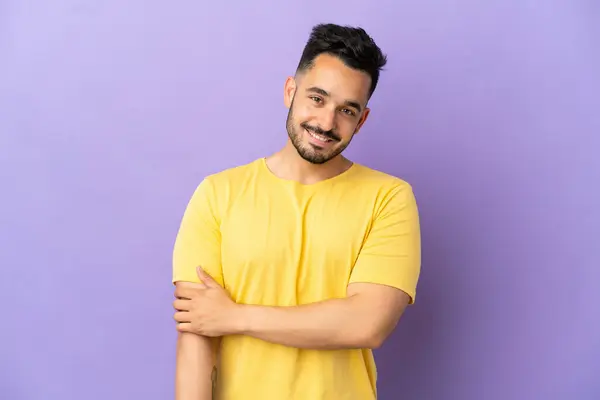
(289,270)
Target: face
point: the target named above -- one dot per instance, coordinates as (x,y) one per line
(327,107)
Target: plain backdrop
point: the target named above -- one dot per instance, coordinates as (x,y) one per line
(111,112)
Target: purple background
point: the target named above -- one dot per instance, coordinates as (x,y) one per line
(111,113)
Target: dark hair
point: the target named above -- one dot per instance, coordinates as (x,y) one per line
(352,45)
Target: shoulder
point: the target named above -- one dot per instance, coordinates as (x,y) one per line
(384,184)
(233,175)
(220,188)
(388,194)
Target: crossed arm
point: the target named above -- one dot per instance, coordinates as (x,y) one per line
(363,319)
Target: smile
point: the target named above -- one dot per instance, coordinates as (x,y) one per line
(318,137)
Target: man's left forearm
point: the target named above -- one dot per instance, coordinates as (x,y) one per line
(328,325)
(361,320)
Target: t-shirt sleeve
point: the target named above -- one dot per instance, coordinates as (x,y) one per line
(198,241)
(391,252)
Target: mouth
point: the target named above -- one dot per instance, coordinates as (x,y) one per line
(319,139)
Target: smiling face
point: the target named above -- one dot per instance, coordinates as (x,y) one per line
(327,107)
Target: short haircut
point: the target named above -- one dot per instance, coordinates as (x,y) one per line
(352,45)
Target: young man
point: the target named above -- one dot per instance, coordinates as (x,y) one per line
(289,270)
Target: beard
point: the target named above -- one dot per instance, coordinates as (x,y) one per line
(309,152)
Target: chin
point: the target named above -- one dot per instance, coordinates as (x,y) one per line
(315,158)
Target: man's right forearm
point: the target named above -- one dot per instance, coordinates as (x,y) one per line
(194,367)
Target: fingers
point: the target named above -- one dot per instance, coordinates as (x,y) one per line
(184,327)
(206,278)
(188,290)
(182,317)
(182,305)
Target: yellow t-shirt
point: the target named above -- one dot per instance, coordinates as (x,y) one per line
(276,242)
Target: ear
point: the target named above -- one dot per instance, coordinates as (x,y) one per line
(362,120)
(289,91)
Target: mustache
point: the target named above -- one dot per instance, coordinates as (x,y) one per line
(315,129)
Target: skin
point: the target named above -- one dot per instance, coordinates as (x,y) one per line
(194,365)
(329,99)
(363,319)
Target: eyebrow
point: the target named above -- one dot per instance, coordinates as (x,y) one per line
(322,92)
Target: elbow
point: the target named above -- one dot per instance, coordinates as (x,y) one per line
(375,341)
(371,339)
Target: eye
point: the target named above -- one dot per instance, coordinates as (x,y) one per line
(348,112)
(316,99)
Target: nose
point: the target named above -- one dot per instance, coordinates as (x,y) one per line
(327,120)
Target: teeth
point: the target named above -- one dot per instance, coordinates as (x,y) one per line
(319,137)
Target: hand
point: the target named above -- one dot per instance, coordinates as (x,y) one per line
(204,308)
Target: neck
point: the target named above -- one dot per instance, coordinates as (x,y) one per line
(287,164)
